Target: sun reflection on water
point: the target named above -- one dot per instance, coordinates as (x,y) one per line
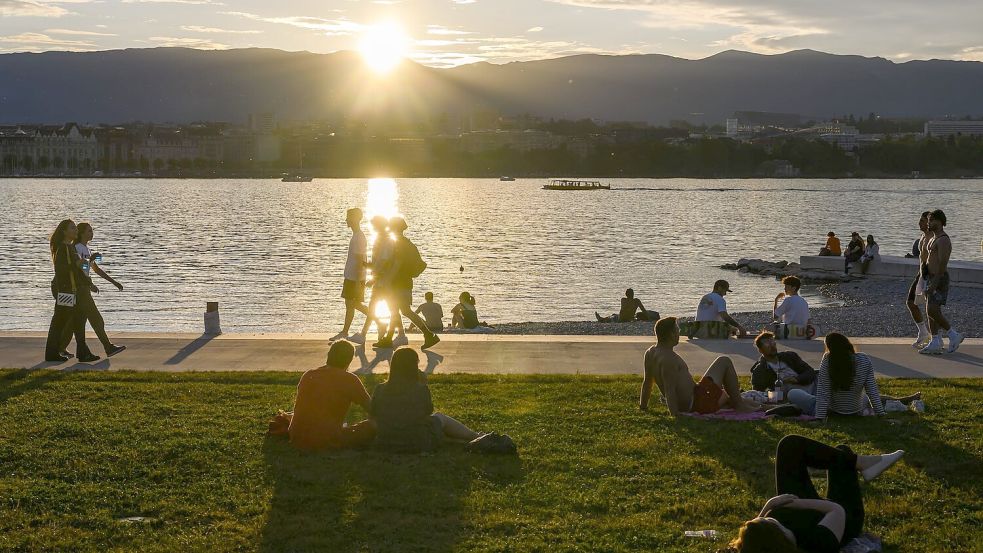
(382,199)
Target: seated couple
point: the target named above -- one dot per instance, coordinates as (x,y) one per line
(401,414)
(631,310)
(465,314)
(845,383)
(799,519)
(664,367)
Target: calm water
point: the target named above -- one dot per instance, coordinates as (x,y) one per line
(272,253)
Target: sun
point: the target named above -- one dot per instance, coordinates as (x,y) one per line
(383,46)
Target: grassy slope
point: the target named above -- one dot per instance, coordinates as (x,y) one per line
(188,452)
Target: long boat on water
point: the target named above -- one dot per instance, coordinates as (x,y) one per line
(562,184)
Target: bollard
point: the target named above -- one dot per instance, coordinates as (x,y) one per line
(212,325)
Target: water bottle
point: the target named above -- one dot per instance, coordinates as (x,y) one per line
(779,389)
(709,534)
(85,266)
(97,258)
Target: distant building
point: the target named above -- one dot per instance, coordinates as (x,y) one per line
(732,127)
(65,150)
(945,129)
(778,168)
(523,141)
(262,123)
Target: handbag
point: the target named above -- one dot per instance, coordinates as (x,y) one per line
(67,299)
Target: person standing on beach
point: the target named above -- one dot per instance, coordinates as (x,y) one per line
(353,288)
(406,265)
(65,289)
(917,287)
(85,306)
(936,275)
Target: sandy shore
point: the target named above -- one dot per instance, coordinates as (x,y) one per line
(873,307)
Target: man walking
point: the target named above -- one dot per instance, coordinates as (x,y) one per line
(353,288)
(936,275)
(407,265)
(917,287)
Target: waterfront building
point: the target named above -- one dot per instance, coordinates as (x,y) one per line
(46,149)
(945,129)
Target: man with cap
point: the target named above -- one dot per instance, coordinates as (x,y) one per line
(854,250)
(713,307)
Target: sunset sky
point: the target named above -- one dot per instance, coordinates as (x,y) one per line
(453,32)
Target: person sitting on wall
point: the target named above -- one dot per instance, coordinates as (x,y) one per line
(832,247)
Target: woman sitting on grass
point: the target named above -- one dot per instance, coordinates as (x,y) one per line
(403,410)
(844,383)
(798,519)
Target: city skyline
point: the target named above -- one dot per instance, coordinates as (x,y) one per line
(443,33)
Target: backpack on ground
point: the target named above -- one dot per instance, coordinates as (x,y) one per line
(492,444)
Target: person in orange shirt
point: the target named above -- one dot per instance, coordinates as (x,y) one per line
(832,246)
(324,395)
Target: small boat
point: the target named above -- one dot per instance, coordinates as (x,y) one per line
(561,184)
(506,179)
(296,178)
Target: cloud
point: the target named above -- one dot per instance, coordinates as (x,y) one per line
(195,2)
(464,1)
(187,42)
(30,8)
(971,53)
(216,30)
(73,32)
(441,30)
(534,30)
(336,27)
(39,42)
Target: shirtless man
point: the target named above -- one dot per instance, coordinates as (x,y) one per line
(666,368)
(917,287)
(936,276)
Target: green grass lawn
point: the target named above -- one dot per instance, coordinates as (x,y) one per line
(187,451)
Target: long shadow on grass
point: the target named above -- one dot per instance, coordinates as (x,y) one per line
(22,381)
(370,501)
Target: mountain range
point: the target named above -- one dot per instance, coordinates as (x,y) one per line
(182,85)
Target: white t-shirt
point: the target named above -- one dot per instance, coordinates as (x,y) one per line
(794,311)
(354,268)
(782,370)
(84,253)
(710,308)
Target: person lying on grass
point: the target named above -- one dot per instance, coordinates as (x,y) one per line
(324,395)
(798,519)
(402,410)
(718,388)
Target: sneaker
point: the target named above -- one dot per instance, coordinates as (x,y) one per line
(933,348)
(921,341)
(401,340)
(918,406)
(430,341)
(66,354)
(336,337)
(114,349)
(357,338)
(886,461)
(954,342)
(56,359)
(91,358)
(384,343)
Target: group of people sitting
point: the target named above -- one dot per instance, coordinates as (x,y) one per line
(464,315)
(856,250)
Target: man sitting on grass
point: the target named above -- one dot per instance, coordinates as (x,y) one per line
(663,366)
(784,365)
(324,395)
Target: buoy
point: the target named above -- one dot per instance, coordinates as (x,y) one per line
(462,268)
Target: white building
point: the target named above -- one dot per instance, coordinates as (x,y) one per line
(945,129)
(66,150)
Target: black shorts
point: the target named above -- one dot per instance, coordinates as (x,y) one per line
(913,287)
(353,290)
(941,292)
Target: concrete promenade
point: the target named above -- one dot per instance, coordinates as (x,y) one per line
(490,353)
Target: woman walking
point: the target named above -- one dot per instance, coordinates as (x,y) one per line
(65,288)
(85,305)
(798,519)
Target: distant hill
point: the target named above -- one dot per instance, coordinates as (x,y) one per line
(183,85)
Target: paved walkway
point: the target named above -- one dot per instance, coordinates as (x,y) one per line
(469,354)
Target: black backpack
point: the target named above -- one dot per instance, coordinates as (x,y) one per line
(493,443)
(411,264)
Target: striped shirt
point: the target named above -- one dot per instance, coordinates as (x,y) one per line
(852,401)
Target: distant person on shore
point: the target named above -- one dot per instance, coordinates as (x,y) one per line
(845,384)
(432,313)
(353,287)
(872,252)
(465,314)
(406,265)
(936,275)
(324,396)
(854,250)
(631,310)
(712,319)
(794,309)
(665,368)
(85,306)
(832,247)
(917,288)
(402,410)
(776,365)
(65,286)
(798,519)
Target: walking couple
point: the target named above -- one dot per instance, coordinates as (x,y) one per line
(72,290)
(395,263)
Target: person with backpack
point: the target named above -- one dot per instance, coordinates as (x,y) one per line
(407,264)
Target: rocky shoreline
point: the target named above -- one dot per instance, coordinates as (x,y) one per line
(871,307)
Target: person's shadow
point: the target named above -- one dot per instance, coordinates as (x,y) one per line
(355,501)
